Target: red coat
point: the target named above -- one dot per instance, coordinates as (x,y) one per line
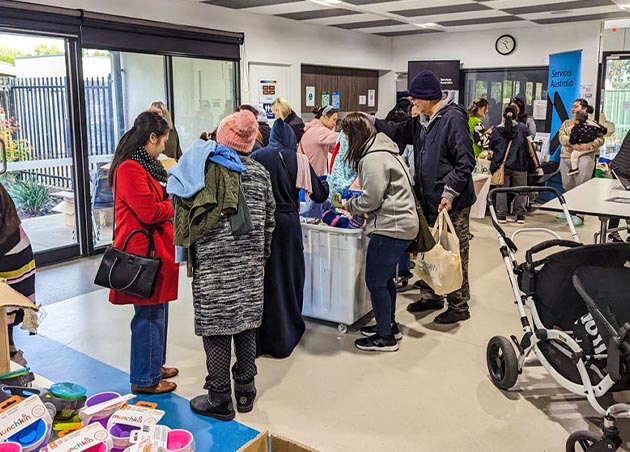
(138,203)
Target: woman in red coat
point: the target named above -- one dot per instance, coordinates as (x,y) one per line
(139,180)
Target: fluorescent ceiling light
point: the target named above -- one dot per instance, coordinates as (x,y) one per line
(427,25)
(326,2)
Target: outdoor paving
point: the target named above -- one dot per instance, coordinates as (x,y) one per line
(50,232)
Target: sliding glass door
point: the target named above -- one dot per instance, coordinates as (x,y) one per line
(36,129)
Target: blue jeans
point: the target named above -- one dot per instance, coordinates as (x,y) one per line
(383,254)
(148,344)
(404,266)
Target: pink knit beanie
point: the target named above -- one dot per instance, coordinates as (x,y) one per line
(238,131)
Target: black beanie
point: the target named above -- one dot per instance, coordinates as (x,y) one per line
(426,86)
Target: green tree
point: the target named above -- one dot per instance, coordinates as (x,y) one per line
(46,49)
(618,74)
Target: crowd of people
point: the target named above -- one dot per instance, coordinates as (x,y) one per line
(230,210)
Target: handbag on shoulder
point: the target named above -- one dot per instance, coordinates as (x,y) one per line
(498,177)
(130,273)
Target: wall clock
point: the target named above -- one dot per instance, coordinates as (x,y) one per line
(505,45)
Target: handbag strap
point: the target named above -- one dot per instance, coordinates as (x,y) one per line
(121,289)
(507,152)
(150,245)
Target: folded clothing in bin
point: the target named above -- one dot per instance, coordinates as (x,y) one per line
(334,218)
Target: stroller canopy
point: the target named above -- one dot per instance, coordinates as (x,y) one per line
(559,304)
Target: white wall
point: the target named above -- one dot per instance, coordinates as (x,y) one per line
(267,39)
(533,46)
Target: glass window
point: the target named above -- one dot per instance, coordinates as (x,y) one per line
(118,87)
(505,84)
(204,93)
(35,127)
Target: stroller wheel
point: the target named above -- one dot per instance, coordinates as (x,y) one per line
(502,362)
(582,441)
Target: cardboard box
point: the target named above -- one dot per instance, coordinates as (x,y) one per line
(267,442)
(9,298)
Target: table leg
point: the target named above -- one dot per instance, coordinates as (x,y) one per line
(603,230)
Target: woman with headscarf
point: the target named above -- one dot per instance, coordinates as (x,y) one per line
(282,324)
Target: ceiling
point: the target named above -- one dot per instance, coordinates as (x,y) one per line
(409,17)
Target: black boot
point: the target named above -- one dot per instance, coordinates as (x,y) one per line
(217,405)
(426,305)
(245,394)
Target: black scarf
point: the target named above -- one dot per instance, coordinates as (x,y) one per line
(152,165)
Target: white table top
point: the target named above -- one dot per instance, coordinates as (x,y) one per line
(591,198)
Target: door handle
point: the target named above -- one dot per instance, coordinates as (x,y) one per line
(3,152)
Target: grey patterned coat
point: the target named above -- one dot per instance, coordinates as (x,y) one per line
(228,274)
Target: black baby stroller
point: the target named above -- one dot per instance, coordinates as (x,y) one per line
(580,319)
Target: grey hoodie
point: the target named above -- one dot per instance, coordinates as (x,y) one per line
(387,194)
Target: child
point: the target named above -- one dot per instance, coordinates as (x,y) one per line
(583,132)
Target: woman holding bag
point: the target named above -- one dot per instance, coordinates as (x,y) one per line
(392,223)
(140,202)
(510,155)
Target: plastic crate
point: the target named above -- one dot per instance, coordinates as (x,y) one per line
(334,287)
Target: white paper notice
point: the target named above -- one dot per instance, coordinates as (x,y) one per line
(362,100)
(371,97)
(540,110)
(310,96)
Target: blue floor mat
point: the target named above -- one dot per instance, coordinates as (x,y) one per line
(59,363)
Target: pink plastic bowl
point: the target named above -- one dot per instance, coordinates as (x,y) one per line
(179,441)
(10,447)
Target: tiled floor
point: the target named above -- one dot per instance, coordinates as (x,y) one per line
(433,395)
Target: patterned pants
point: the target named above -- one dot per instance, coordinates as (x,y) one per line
(218,357)
(457,300)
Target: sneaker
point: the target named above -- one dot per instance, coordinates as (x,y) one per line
(369,331)
(425,305)
(452,316)
(502,220)
(577,221)
(561,216)
(520,220)
(377,343)
(223,411)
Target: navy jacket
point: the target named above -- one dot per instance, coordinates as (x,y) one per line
(283,141)
(519,158)
(443,156)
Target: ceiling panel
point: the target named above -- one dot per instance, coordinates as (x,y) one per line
(397,17)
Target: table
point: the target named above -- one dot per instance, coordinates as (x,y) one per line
(66,206)
(592,198)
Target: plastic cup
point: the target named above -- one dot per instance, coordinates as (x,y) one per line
(103,416)
(32,437)
(179,441)
(102,447)
(120,435)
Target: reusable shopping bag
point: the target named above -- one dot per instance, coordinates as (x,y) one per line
(441,266)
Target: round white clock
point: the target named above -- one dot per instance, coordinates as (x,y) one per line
(505,45)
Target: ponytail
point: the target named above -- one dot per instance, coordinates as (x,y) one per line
(477,105)
(585,105)
(326,110)
(509,116)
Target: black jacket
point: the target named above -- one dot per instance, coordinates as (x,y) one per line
(296,124)
(518,158)
(443,155)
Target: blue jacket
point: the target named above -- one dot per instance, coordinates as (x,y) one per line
(518,158)
(444,158)
(188,177)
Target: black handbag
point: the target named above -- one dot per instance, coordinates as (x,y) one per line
(241,221)
(130,273)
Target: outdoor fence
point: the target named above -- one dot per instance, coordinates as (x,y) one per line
(36,111)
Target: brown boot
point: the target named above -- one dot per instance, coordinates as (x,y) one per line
(162,387)
(169,372)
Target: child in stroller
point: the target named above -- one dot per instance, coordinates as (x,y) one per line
(580,319)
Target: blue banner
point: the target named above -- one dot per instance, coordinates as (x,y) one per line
(564,87)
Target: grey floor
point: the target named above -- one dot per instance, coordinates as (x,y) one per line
(433,395)
(63,281)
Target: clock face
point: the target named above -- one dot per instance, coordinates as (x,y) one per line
(505,45)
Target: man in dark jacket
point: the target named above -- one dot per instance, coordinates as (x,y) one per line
(444,162)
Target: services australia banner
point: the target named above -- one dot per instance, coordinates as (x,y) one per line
(563,88)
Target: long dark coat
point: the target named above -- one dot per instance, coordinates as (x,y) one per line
(282,325)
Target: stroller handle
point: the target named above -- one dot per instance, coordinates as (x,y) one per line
(546,245)
(524,190)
